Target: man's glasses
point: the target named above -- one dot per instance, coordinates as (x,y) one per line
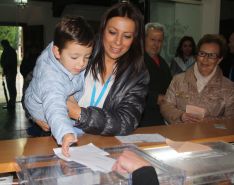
(209,55)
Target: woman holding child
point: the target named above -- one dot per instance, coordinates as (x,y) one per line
(115,87)
(116,78)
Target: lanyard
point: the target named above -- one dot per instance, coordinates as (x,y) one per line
(92,101)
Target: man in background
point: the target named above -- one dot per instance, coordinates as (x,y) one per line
(160,76)
(9,66)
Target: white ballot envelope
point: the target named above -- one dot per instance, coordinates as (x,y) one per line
(197,111)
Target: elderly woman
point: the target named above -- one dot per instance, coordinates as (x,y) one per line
(202,92)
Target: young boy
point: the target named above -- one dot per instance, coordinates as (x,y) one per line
(58,74)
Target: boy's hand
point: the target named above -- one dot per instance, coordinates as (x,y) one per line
(44,126)
(68,139)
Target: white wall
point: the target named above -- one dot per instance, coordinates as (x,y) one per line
(184,17)
(189,16)
(210,16)
(197,19)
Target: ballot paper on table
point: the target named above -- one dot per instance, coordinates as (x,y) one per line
(187,146)
(195,110)
(220,126)
(141,138)
(6,180)
(90,156)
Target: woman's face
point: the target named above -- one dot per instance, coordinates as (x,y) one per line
(187,48)
(118,37)
(208,58)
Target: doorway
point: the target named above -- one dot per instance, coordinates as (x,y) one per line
(22,38)
(13,124)
(14,34)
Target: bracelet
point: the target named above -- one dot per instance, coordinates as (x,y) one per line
(78,119)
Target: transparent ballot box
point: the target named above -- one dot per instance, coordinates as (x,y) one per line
(215,166)
(166,175)
(50,170)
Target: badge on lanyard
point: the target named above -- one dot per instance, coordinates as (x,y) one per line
(92,101)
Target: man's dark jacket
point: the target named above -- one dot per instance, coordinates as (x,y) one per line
(160,78)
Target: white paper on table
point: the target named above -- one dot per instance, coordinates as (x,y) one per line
(96,162)
(89,148)
(195,110)
(220,126)
(187,146)
(6,180)
(139,138)
(90,156)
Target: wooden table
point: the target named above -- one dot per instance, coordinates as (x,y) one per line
(200,132)
(196,132)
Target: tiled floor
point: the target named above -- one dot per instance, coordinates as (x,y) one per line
(13,124)
(19,86)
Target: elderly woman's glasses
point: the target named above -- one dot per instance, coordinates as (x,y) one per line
(209,55)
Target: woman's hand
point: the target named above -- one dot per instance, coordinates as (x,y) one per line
(44,126)
(187,117)
(68,139)
(73,108)
(160,99)
(128,162)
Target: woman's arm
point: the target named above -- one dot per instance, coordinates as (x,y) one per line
(122,109)
(74,109)
(168,107)
(229,104)
(171,105)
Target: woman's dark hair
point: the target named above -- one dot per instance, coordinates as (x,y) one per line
(73,29)
(214,38)
(134,56)
(179,51)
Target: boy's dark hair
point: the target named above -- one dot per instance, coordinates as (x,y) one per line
(73,29)
(134,56)
(214,38)
(179,51)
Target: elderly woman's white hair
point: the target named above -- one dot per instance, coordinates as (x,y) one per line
(154,26)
